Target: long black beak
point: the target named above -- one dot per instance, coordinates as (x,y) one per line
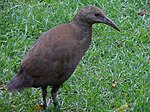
(109,22)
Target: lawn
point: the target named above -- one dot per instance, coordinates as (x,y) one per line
(114,74)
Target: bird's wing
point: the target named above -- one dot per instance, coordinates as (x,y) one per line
(35,60)
(51,53)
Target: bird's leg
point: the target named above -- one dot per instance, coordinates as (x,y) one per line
(54,94)
(44,93)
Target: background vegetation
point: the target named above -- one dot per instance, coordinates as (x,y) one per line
(114,74)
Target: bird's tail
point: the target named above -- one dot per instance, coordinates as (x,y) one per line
(18,83)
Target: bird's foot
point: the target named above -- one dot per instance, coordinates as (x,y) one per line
(57,106)
(39,107)
(43,107)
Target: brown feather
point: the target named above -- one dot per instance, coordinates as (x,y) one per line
(56,54)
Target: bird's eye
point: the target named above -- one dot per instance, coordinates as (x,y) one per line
(97,14)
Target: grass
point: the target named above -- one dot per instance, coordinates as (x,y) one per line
(121,59)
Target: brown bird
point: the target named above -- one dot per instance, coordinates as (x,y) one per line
(57,52)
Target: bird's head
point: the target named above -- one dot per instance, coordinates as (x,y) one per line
(92,14)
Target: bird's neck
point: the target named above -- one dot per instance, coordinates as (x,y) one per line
(83,24)
(84,28)
(85,33)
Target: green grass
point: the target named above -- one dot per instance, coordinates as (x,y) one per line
(122,57)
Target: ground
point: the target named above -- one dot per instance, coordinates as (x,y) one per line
(114,74)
